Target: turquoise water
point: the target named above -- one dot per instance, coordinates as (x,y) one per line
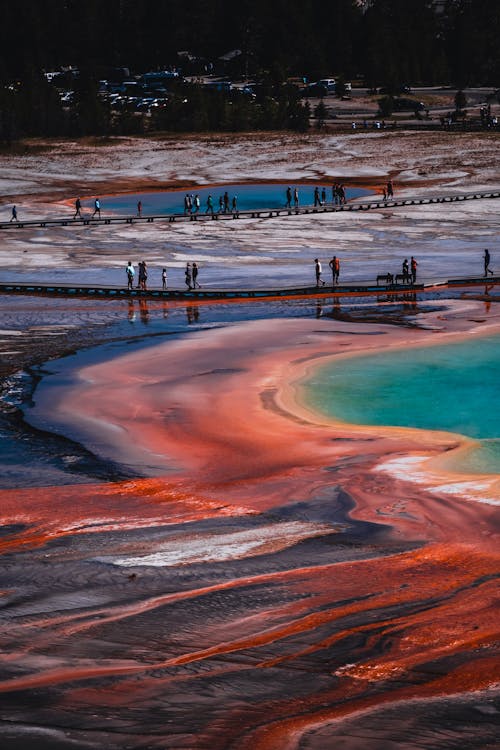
(452,387)
(249,197)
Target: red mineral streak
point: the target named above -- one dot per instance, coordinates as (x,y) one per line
(55,512)
(221,408)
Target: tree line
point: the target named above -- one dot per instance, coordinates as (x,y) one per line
(385,43)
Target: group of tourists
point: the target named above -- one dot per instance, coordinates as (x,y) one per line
(409,271)
(78,209)
(333,264)
(142,275)
(190,276)
(320,196)
(289,197)
(226,205)
(388,191)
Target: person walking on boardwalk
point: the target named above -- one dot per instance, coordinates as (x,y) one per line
(296,197)
(317,199)
(194,274)
(406,271)
(335,268)
(143,275)
(413,268)
(97,208)
(187,276)
(14,214)
(130,275)
(196,203)
(487,259)
(332,268)
(318,270)
(163,278)
(226,202)
(139,208)
(288,197)
(234,204)
(210,205)
(323,196)
(390,189)
(78,209)
(221,203)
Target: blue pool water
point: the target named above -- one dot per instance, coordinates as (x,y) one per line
(249,197)
(453,387)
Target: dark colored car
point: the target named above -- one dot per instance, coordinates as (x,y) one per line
(401,104)
(316,89)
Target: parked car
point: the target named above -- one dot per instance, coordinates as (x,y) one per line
(315,89)
(328,83)
(401,104)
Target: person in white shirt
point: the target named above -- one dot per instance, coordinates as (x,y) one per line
(130,275)
(319,270)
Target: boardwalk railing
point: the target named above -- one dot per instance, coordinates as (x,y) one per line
(361,288)
(267,213)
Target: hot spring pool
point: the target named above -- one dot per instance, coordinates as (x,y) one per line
(249,197)
(452,387)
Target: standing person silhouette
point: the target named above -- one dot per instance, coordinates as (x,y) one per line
(487,259)
(14,214)
(78,209)
(406,271)
(194,274)
(130,275)
(143,275)
(318,270)
(335,268)
(163,278)
(187,276)
(288,197)
(332,268)
(390,189)
(296,197)
(139,208)
(413,268)
(97,208)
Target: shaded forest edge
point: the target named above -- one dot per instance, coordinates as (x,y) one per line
(381,43)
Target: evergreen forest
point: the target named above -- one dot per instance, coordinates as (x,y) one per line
(377,42)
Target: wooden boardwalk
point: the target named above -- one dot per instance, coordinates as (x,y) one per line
(262,213)
(204,295)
